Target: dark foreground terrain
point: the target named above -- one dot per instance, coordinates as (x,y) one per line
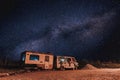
(96,74)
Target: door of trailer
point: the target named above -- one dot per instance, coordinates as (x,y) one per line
(48,61)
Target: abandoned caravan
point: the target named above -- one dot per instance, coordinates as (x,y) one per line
(39,60)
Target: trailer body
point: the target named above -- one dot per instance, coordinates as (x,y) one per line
(40,60)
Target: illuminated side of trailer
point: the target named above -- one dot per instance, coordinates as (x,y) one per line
(40,60)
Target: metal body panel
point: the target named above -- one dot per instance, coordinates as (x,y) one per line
(66,62)
(40,62)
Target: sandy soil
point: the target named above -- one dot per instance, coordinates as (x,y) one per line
(98,74)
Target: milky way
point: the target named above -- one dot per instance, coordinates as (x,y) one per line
(77,28)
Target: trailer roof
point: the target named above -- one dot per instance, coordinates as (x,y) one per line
(49,53)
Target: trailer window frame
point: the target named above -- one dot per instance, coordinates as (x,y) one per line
(34,57)
(47,58)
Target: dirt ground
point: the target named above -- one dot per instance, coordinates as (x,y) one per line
(98,74)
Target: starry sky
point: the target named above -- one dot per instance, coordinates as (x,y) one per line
(86,29)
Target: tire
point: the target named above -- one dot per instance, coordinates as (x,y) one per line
(62,68)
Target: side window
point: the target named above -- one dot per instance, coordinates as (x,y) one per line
(68,60)
(23,57)
(34,57)
(74,60)
(61,59)
(47,58)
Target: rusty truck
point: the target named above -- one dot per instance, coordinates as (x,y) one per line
(47,60)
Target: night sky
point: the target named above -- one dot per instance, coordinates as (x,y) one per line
(87,29)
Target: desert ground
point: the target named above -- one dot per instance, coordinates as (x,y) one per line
(88,72)
(95,74)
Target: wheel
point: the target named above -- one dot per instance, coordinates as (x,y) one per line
(62,68)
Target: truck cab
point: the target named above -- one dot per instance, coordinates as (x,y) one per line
(66,62)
